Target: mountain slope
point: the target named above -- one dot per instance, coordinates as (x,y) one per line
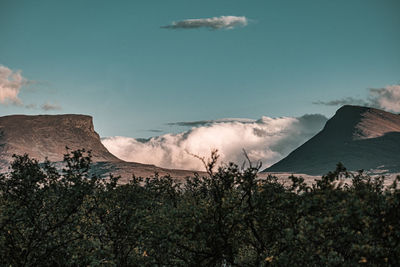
(48,136)
(359,137)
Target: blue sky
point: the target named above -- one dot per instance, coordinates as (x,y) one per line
(111,59)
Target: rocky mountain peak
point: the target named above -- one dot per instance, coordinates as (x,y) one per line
(359,137)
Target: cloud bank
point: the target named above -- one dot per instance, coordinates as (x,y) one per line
(267,139)
(387,98)
(10,85)
(215,23)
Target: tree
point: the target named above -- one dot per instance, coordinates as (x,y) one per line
(228,217)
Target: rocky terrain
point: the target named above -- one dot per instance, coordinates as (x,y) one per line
(359,137)
(47,136)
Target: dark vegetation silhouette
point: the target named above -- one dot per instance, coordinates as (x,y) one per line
(229,217)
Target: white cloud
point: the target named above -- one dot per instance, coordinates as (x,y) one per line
(215,23)
(387,98)
(267,140)
(10,85)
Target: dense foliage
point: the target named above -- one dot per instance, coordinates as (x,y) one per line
(226,218)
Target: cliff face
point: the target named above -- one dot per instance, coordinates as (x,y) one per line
(47,136)
(359,137)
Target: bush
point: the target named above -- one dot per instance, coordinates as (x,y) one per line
(229,217)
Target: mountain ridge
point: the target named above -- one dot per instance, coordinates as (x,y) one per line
(359,137)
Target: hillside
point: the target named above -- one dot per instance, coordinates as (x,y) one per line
(359,137)
(47,136)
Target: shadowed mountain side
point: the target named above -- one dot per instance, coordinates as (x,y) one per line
(359,137)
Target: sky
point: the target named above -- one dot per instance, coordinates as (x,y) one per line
(139,67)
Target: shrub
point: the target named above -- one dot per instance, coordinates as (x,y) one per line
(229,217)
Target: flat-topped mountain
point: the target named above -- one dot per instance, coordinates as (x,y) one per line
(48,136)
(359,137)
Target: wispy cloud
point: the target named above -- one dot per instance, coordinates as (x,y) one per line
(10,86)
(215,23)
(11,82)
(31,106)
(48,106)
(208,122)
(387,98)
(342,101)
(154,131)
(45,107)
